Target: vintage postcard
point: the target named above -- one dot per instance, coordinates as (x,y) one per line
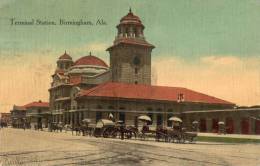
(130,82)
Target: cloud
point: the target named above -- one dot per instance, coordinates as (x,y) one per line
(25,78)
(221,60)
(225,76)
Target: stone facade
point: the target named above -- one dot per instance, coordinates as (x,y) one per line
(5,118)
(131,64)
(130,55)
(18,116)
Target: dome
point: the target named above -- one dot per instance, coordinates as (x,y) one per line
(130,18)
(65,56)
(91,61)
(88,66)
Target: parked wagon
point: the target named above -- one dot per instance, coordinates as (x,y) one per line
(119,130)
(178,133)
(181,136)
(101,126)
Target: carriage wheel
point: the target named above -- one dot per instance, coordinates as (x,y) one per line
(135,134)
(115,133)
(106,133)
(142,136)
(128,134)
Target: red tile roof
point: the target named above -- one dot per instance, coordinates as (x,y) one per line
(90,60)
(37,104)
(147,92)
(19,108)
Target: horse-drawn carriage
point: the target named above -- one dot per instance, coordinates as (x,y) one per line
(176,134)
(109,129)
(103,125)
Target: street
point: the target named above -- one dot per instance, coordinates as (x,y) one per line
(29,147)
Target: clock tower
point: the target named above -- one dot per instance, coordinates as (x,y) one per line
(130,54)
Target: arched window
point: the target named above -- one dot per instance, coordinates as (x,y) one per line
(136,60)
(110,107)
(149,109)
(99,107)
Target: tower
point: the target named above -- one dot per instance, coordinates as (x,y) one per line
(130,54)
(64,62)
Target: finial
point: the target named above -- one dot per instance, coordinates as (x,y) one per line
(90,53)
(130,10)
(65,52)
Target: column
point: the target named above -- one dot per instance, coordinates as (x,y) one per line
(79,117)
(252,126)
(209,125)
(237,122)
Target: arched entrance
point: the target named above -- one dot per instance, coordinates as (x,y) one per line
(229,125)
(257,127)
(214,125)
(245,126)
(203,125)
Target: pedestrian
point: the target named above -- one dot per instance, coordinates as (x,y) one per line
(122,131)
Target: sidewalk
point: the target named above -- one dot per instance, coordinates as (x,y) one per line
(230,135)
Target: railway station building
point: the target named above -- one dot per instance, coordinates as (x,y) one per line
(90,88)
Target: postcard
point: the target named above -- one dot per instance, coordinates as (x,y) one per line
(129,82)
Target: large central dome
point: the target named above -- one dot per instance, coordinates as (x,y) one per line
(89,66)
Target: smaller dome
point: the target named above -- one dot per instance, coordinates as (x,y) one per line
(65,56)
(90,60)
(130,18)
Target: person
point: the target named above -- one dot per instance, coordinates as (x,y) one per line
(145,127)
(24,126)
(122,131)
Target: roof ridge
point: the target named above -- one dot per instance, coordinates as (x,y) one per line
(152,92)
(88,91)
(209,95)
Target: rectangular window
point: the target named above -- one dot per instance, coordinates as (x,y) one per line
(122,116)
(98,116)
(169,123)
(136,70)
(159,119)
(151,116)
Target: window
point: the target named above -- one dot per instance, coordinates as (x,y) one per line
(169,123)
(110,107)
(99,107)
(136,60)
(122,116)
(98,116)
(159,119)
(151,116)
(180,97)
(136,82)
(136,70)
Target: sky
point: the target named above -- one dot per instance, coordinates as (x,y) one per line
(205,45)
